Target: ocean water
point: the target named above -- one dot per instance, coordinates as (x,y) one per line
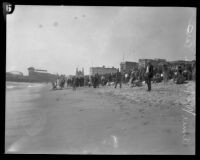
(17,92)
(21,109)
(21,85)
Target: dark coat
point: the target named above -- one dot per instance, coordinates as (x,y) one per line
(150,74)
(118,76)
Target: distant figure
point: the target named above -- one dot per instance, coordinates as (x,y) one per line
(165,74)
(110,77)
(62,82)
(157,78)
(90,81)
(74,83)
(180,78)
(118,79)
(98,80)
(180,70)
(194,72)
(102,80)
(149,75)
(95,81)
(58,81)
(126,77)
(53,85)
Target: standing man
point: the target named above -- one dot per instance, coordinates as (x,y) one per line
(118,79)
(74,82)
(149,75)
(98,80)
(95,81)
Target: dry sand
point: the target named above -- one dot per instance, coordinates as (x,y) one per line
(107,121)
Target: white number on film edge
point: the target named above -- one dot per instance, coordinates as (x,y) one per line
(8,8)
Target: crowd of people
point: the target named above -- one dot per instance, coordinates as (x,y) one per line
(135,77)
(59,83)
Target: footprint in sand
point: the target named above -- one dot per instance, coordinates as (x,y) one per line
(109,127)
(145,123)
(132,101)
(121,106)
(127,113)
(141,110)
(144,101)
(134,117)
(168,130)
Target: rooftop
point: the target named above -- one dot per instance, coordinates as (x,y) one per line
(16,73)
(105,67)
(128,62)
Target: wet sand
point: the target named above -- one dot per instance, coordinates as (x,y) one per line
(104,121)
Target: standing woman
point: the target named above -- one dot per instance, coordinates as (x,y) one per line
(165,74)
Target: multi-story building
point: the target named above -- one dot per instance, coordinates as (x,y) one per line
(128,66)
(102,70)
(157,61)
(143,62)
(184,64)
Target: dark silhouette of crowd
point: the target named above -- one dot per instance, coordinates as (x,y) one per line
(135,77)
(59,83)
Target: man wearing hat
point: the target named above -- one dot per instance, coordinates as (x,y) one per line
(149,75)
(118,79)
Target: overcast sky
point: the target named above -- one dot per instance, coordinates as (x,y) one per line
(61,38)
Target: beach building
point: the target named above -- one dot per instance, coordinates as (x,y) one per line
(14,75)
(184,64)
(128,66)
(41,75)
(143,62)
(80,73)
(102,70)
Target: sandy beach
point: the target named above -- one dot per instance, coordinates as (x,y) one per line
(104,120)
